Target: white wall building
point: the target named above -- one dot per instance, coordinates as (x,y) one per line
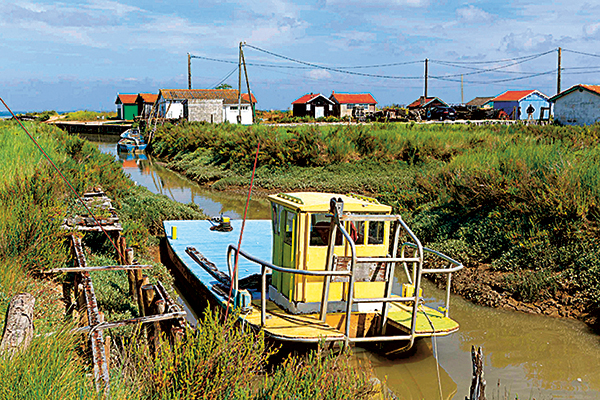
(209,105)
(578,105)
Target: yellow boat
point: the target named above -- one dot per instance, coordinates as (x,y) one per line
(341,268)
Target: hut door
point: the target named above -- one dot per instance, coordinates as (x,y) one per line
(319,112)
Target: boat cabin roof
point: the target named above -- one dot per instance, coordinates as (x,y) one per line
(319,202)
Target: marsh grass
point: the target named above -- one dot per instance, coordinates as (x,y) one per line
(521,198)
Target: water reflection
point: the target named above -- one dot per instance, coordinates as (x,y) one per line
(532,356)
(158,179)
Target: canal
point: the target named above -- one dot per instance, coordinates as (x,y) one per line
(532,356)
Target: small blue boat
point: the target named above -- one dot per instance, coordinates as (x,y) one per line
(131,141)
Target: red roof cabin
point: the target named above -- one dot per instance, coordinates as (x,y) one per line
(313,105)
(145,102)
(347,104)
(516,103)
(126,106)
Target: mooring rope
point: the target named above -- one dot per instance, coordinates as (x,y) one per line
(63,178)
(435,353)
(237,252)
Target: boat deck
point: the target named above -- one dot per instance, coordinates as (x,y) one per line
(279,324)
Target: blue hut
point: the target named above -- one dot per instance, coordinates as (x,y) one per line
(516,103)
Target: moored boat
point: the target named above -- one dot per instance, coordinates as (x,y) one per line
(325,267)
(131,141)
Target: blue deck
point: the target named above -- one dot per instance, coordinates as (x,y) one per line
(257,240)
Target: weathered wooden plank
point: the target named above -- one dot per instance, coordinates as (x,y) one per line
(18,328)
(132,321)
(100,268)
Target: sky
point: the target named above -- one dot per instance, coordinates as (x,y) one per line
(75,55)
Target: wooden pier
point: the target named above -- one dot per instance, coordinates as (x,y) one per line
(93,127)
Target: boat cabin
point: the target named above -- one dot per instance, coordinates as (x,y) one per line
(301,227)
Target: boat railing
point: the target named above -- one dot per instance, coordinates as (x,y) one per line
(451,266)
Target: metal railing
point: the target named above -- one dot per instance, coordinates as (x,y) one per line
(417,260)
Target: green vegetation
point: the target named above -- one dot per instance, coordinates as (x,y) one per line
(523,199)
(216,358)
(86,115)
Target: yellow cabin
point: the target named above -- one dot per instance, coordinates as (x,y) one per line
(301,224)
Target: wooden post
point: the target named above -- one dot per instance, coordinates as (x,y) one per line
(148,295)
(18,328)
(131,273)
(477,391)
(107,351)
(140,280)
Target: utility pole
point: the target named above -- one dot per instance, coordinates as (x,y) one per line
(248,86)
(462,91)
(189,71)
(240,86)
(558,72)
(426,76)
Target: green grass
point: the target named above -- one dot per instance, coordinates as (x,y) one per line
(85,115)
(521,198)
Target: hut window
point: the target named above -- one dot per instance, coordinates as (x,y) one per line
(308,107)
(375,232)
(289,227)
(276,217)
(319,231)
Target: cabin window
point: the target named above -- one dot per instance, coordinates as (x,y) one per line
(356,229)
(276,218)
(375,232)
(308,107)
(289,227)
(319,231)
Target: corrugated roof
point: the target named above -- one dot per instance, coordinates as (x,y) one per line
(229,96)
(126,98)
(479,101)
(590,88)
(353,98)
(517,95)
(148,97)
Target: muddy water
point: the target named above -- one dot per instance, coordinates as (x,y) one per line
(526,355)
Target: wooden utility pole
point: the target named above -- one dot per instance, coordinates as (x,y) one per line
(189,71)
(248,86)
(558,72)
(426,76)
(462,91)
(240,86)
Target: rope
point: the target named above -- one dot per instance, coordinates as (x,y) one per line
(63,178)
(435,353)
(237,253)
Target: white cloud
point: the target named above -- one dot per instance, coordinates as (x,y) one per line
(318,74)
(472,14)
(381,4)
(528,42)
(592,30)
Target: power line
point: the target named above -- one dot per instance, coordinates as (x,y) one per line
(481,71)
(581,52)
(224,79)
(339,70)
(533,75)
(496,61)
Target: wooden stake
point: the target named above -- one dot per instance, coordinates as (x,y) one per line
(18,329)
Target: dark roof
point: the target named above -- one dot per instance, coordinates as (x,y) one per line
(595,89)
(310,97)
(353,98)
(517,95)
(229,96)
(479,101)
(126,98)
(425,103)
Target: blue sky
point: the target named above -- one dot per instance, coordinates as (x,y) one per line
(78,54)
